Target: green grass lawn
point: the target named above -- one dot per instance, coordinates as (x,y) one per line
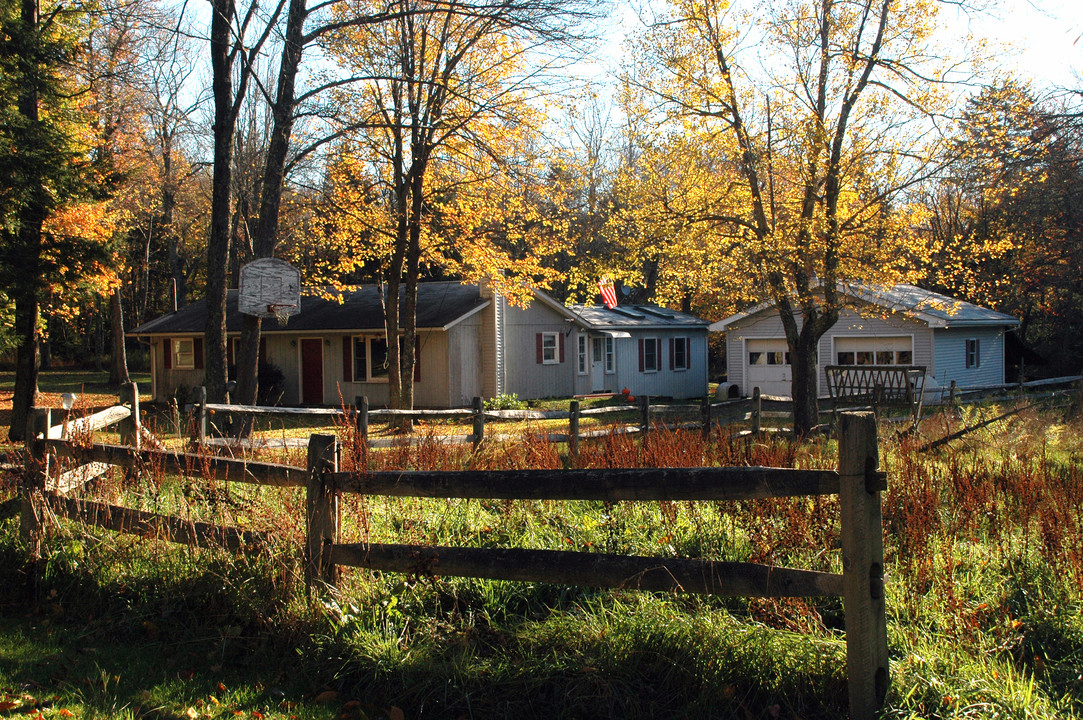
(984,588)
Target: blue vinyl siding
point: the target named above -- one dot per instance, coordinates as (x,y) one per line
(950,356)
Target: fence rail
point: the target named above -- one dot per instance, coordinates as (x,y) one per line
(856,481)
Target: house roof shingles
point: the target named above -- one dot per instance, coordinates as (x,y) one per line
(438,305)
(634,317)
(932,308)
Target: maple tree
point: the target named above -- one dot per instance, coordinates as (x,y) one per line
(798,162)
(442,170)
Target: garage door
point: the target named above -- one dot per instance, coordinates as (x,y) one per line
(874,351)
(767,366)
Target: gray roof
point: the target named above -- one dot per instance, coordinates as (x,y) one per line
(635,317)
(935,309)
(932,308)
(439,304)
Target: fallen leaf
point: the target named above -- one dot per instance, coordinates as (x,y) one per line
(327,696)
(221,687)
(192,713)
(5,706)
(64,712)
(395,713)
(213,699)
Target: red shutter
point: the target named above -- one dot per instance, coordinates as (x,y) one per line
(672,342)
(168,353)
(538,342)
(417,359)
(560,342)
(347,359)
(197,350)
(642,361)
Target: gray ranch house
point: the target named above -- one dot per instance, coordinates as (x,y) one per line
(470,341)
(900,325)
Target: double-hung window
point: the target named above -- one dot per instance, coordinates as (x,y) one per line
(184,353)
(549,348)
(610,356)
(679,355)
(582,354)
(649,355)
(973,353)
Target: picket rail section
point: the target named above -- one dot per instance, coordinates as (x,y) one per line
(857,481)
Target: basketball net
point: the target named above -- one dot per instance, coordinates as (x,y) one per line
(281,313)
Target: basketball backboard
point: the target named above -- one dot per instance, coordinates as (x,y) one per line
(269,287)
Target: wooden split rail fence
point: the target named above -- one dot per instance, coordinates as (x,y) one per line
(757,412)
(857,481)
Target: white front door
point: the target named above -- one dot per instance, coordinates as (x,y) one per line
(597,364)
(767,366)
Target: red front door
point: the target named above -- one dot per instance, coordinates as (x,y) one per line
(312,371)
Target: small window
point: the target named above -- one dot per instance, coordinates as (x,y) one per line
(610,356)
(865,357)
(973,353)
(904,357)
(777,357)
(378,359)
(681,355)
(650,355)
(582,355)
(549,349)
(184,354)
(885,357)
(757,358)
(360,359)
(846,358)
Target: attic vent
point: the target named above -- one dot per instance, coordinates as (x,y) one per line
(656,312)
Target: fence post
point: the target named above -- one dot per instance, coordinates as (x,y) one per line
(757,407)
(863,563)
(705,415)
(322,506)
(199,422)
(573,433)
(645,414)
(479,423)
(129,426)
(361,402)
(32,485)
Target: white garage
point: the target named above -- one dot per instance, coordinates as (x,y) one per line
(768,366)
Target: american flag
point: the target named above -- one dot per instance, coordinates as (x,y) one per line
(609,293)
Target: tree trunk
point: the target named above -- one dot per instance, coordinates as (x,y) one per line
(266,234)
(118,366)
(27,310)
(27,299)
(804,369)
(218,242)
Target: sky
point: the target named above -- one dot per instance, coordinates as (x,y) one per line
(1042,39)
(1045,38)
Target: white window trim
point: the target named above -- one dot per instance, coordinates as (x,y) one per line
(977,353)
(687,353)
(582,346)
(555,360)
(657,355)
(610,352)
(368,378)
(174,349)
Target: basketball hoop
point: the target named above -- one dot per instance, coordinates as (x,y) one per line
(281,312)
